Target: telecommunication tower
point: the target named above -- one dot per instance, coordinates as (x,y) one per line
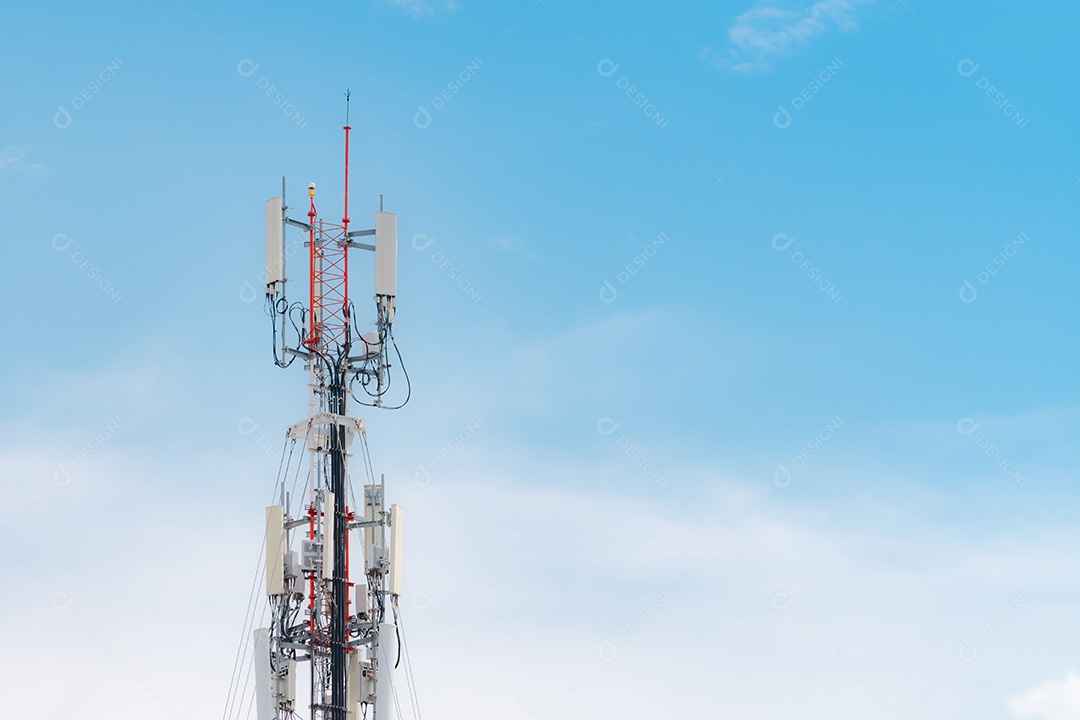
(333,566)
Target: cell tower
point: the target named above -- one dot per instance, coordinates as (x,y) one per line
(331,606)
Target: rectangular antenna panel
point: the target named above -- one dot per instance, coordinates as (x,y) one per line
(397,535)
(328,536)
(275,242)
(275,550)
(361,596)
(386,254)
(264,690)
(352,703)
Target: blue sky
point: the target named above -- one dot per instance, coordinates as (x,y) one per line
(812,260)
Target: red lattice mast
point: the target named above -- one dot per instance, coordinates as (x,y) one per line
(329,244)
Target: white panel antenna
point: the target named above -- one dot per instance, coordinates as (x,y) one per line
(275,550)
(397,535)
(386,254)
(264,691)
(385,689)
(275,242)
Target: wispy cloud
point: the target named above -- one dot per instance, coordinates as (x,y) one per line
(1051,700)
(420,8)
(14,155)
(507,243)
(766,32)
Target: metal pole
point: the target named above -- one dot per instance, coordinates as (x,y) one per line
(339,665)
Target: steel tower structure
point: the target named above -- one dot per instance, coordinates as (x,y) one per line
(329,608)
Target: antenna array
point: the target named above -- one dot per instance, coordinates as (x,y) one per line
(331,606)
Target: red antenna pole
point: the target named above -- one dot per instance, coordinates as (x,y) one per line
(313,330)
(331,326)
(345,219)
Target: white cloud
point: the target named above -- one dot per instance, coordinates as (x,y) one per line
(766,32)
(507,243)
(644,581)
(547,574)
(14,157)
(1051,700)
(419,8)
